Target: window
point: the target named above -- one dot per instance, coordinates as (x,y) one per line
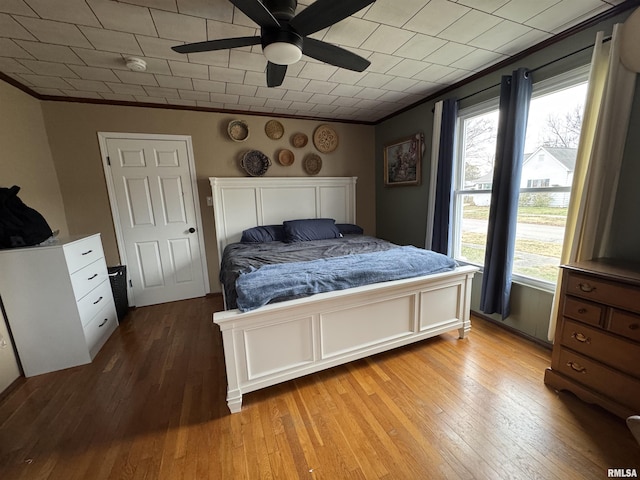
(553,130)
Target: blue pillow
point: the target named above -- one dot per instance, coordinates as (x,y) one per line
(310,229)
(263,234)
(349,229)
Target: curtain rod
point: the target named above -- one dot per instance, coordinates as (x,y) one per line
(606,39)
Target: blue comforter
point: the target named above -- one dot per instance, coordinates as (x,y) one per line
(259,286)
(240,258)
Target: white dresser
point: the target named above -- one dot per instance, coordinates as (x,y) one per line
(58,302)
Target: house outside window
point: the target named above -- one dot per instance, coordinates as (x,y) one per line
(553,129)
(537,183)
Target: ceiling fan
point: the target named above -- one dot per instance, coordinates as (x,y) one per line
(283,34)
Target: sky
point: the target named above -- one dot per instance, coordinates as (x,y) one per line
(558,102)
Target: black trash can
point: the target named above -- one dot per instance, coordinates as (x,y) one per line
(118,278)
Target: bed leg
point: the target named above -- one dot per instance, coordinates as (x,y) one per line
(462,331)
(234,401)
(234,395)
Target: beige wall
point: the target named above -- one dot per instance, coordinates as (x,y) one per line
(72,129)
(25,157)
(25,160)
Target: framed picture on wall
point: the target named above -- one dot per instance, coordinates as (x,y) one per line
(402,161)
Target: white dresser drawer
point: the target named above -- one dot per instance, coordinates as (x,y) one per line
(92,302)
(88,278)
(82,252)
(100,328)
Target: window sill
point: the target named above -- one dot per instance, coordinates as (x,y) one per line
(537,284)
(520,280)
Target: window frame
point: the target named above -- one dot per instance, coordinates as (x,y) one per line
(541,88)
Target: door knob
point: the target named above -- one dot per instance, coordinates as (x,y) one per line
(192,230)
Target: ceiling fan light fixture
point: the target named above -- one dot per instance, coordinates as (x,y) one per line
(282,53)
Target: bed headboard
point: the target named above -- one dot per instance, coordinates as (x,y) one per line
(244,202)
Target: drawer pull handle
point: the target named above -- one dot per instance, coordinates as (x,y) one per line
(92,276)
(102,324)
(585,287)
(87,252)
(580,338)
(577,367)
(582,310)
(97,301)
(634,326)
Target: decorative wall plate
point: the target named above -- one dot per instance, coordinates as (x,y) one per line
(312,164)
(286,157)
(274,129)
(629,46)
(325,139)
(255,163)
(238,130)
(299,140)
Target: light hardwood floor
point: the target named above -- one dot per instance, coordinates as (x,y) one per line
(152,406)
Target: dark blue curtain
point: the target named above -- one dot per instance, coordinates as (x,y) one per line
(515,95)
(444,193)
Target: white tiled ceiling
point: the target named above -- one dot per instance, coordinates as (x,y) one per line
(78,48)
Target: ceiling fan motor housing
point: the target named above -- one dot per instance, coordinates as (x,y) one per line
(281,9)
(284,34)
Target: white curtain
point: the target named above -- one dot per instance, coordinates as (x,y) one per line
(604,131)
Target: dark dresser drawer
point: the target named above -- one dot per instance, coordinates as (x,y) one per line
(599,345)
(607,381)
(625,324)
(583,310)
(604,291)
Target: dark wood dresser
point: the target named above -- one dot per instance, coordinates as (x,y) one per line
(596,354)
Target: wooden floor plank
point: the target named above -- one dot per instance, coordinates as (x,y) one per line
(152,406)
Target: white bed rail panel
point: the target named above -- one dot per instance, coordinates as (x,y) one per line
(243,202)
(441,305)
(354,328)
(291,203)
(286,340)
(268,354)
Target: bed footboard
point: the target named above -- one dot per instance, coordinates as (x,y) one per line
(287,340)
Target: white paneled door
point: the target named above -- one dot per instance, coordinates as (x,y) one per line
(152,187)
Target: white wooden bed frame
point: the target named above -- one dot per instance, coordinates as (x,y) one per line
(282,341)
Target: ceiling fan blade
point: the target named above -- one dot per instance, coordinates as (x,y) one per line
(221,44)
(275,74)
(256,11)
(324,13)
(325,52)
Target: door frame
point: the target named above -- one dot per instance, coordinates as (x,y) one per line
(103,137)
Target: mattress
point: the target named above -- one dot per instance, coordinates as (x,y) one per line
(243,257)
(254,275)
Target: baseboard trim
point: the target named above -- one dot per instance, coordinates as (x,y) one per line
(515,331)
(12,386)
